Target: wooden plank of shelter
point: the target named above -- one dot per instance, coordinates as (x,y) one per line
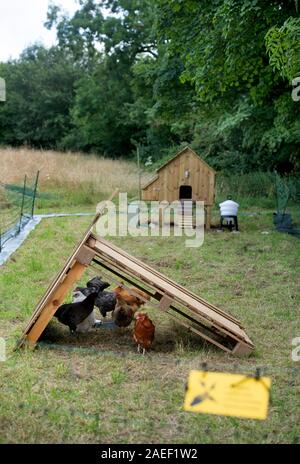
(178,286)
(168,293)
(56,292)
(60,276)
(211,194)
(195,178)
(181,168)
(208,322)
(198,332)
(202,319)
(173,283)
(117,272)
(242,349)
(166,305)
(57,298)
(63,274)
(166,287)
(165,302)
(85,255)
(206,185)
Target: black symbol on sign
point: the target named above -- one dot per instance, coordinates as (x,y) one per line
(204,396)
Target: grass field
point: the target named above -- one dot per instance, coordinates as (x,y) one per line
(97,389)
(71,179)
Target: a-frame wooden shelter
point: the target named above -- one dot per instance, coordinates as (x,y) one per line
(197,315)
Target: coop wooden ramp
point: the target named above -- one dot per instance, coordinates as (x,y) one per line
(187,309)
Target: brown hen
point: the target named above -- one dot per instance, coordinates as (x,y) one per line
(143,333)
(123,314)
(133,297)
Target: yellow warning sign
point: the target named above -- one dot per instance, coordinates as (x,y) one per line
(228,394)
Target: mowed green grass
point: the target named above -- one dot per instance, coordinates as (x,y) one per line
(97,389)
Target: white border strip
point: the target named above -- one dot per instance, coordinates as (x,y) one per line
(15,242)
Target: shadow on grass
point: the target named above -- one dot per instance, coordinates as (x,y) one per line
(169,338)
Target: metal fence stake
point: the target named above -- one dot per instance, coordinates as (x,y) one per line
(23,199)
(34,192)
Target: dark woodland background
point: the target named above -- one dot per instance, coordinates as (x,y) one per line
(214,74)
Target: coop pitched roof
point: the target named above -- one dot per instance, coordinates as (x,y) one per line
(151,181)
(154,179)
(180,153)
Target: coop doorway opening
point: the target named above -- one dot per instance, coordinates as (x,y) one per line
(185,192)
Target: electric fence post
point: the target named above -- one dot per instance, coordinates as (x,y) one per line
(34,192)
(22,205)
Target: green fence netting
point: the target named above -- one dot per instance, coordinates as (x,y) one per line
(16,207)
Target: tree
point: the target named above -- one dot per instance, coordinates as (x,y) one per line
(40,89)
(215,74)
(107,48)
(99,112)
(222,47)
(283,47)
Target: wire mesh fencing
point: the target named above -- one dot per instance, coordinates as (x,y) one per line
(17,204)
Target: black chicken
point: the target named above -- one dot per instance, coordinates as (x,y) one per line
(98,284)
(105,301)
(73,314)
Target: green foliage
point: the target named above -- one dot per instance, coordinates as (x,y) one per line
(40,86)
(255,184)
(212,74)
(286,189)
(251,121)
(283,46)
(99,111)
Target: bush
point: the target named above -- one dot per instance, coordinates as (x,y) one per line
(256,188)
(255,184)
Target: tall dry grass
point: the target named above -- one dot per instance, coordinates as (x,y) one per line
(73,169)
(80,178)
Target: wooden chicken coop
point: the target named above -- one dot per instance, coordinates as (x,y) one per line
(184,177)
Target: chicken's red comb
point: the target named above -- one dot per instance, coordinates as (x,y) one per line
(140,314)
